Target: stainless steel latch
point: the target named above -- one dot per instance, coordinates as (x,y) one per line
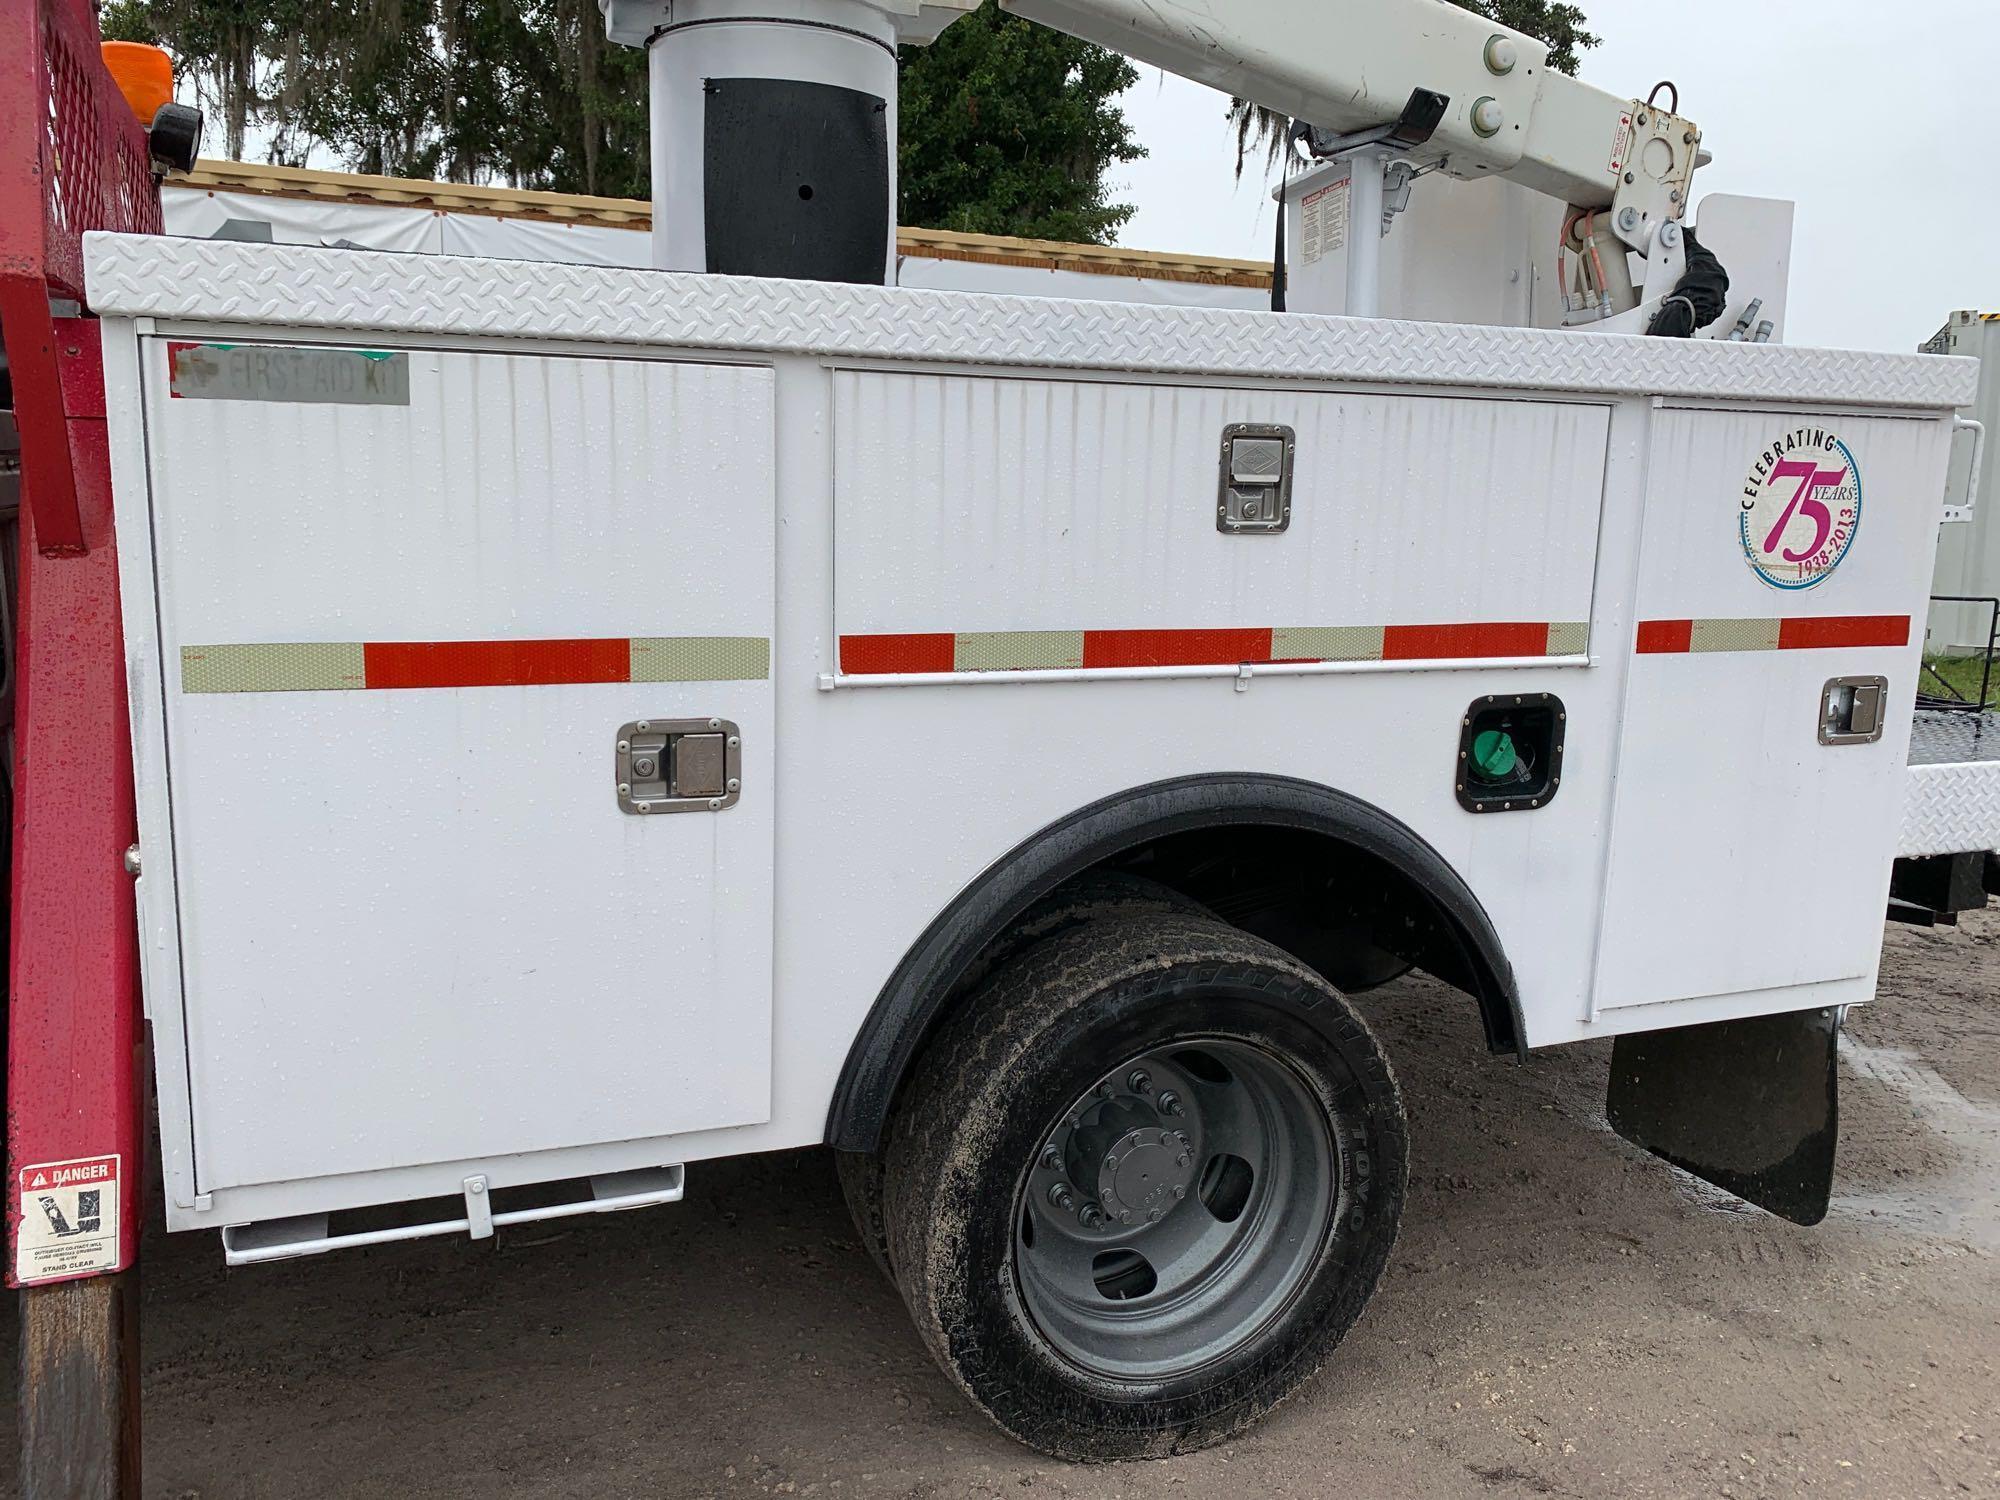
(1256,493)
(1851,710)
(679,765)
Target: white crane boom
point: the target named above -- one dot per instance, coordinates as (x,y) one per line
(1348,65)
(1418,81)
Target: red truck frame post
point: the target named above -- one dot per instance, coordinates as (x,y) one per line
(72,158)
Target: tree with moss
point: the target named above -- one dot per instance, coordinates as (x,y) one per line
(525,92)
(1007,127)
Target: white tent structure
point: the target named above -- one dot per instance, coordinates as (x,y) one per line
(290,205)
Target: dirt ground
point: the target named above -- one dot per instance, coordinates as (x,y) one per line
(1563,1316)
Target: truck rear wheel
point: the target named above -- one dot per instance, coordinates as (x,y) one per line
(1145,1181)
(1094,897)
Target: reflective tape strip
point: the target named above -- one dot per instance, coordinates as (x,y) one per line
(700,658)
(433,664)
(1733,635)
(1801,633)
(1174,648)
(272,669)
(1459,642)
(1041,650)
(1327,643)
(322,666)
(1569,638)
(1844,630)
(882,655)
(1016,650)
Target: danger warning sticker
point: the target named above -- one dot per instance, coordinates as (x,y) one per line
(1621,144)
(1323,221)
(69,1219)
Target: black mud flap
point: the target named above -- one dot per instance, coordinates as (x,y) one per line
(1752,1106)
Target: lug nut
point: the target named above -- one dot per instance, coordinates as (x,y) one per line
(1170,1102)
(1090,1216)
(1062,1197)
(1052,1156)
(1179,1193)
(1107,1088)
(1139,1081)
(1183,1159)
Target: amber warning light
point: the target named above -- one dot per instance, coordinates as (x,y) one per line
(145,76)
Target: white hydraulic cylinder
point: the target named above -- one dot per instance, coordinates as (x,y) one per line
(1364,234)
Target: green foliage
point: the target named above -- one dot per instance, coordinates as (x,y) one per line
(527,92)
(1009,128)
(1561,26)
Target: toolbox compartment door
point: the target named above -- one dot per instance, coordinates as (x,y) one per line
(1745,854)
(406,600)
(989,522)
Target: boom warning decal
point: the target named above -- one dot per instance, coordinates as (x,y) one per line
(69,1219)
(1800,508)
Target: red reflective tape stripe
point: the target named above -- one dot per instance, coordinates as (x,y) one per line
(1410,642)
(450,664)
(1174,648)
(1844,630)
(879,655)
(1660,637)
(869,655)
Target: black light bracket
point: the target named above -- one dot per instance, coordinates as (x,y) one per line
(1416,125)
(173,140)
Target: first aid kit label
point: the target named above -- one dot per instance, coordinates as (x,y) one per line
(274,372)
(69,1219)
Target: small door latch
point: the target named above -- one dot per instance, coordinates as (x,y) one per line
(1256,493)
(679,765)
(1851,710)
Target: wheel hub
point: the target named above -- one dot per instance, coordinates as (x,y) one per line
(1128,1159)
(1143,1173)
(1173,1206)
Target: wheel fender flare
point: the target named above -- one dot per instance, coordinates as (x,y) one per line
(912,1001)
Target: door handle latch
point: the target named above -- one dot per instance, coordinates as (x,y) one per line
(679,765)
(1851,710)
(1256,494)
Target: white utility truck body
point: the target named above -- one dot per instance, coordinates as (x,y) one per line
(951,563)
(589,720)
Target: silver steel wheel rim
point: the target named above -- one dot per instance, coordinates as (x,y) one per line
(1176,1209)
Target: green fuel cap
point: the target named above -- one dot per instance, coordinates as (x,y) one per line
(1494,755)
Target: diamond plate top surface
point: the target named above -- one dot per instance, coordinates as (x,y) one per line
(1952,801)
(300,286)
(1943,739)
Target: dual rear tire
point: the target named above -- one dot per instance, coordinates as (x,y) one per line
(1140,1185)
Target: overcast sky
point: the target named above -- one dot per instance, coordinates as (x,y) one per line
(1880,120)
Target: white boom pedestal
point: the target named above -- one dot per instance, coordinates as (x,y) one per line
(757,93)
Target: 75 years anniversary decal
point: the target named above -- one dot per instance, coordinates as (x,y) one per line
(1800,509)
